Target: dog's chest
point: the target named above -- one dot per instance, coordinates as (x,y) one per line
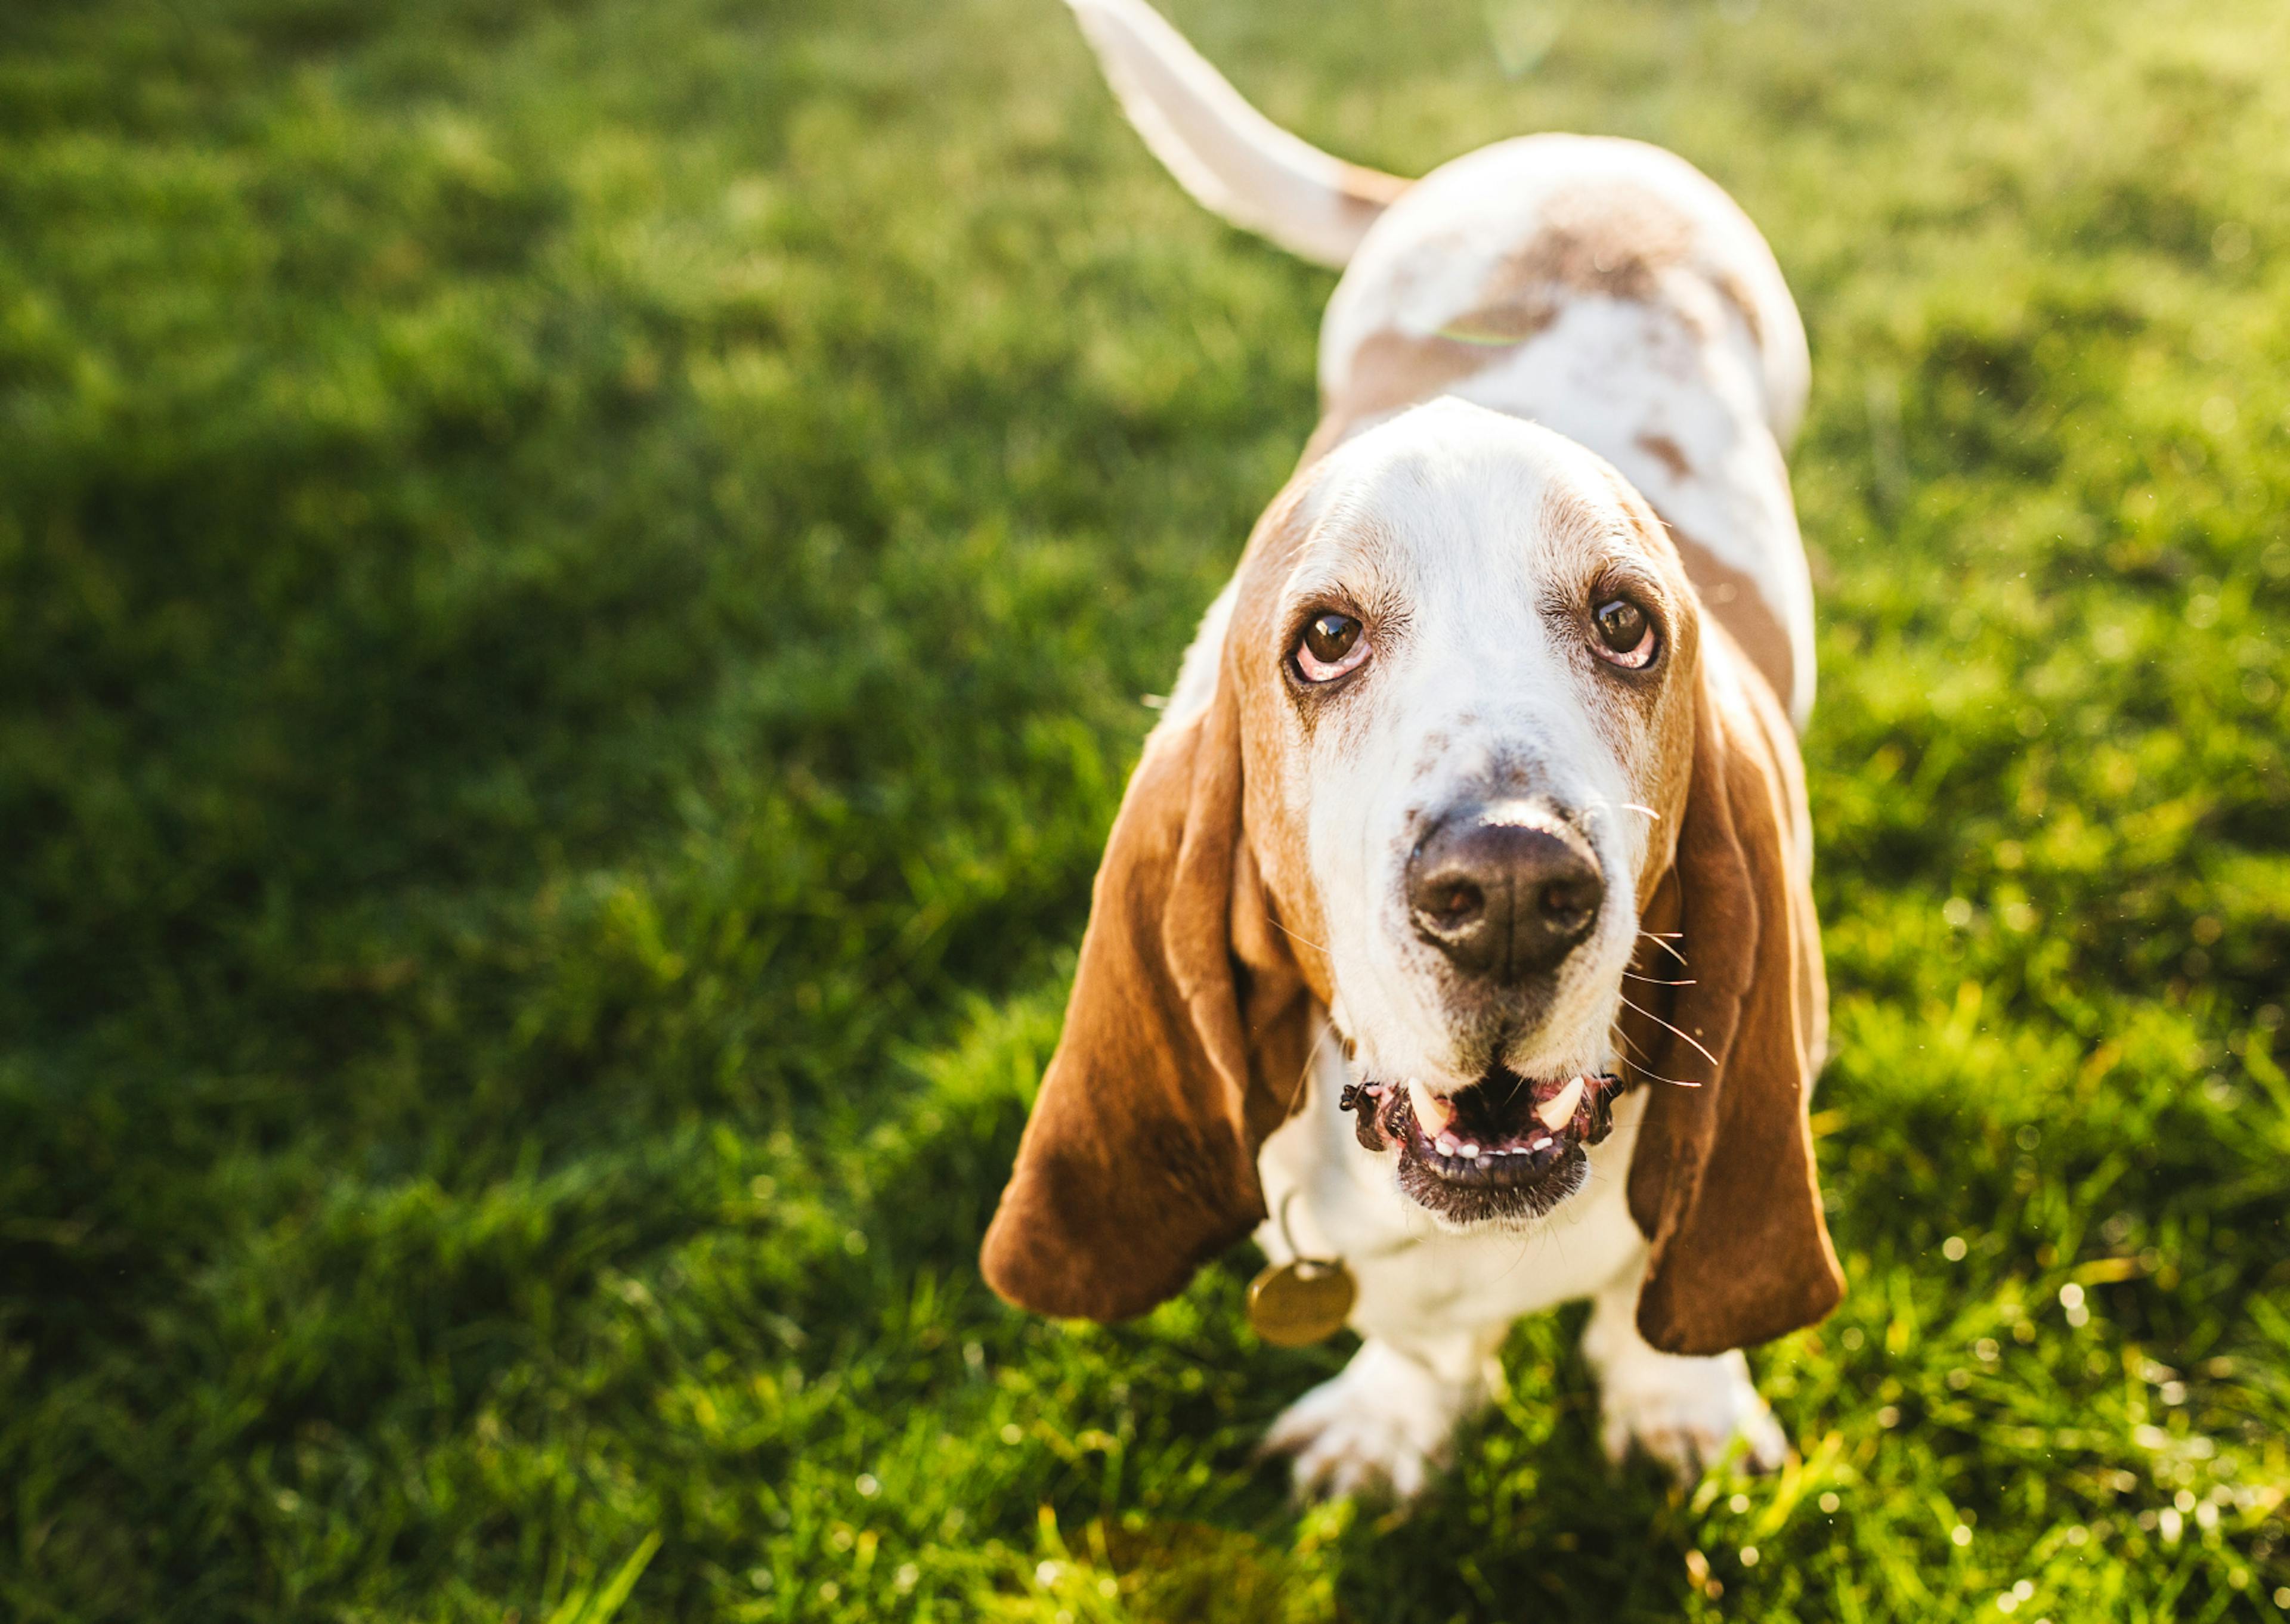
(1329,1197)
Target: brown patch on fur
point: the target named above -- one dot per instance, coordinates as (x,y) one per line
(1572,520)
(1723,1177)
(1371,188)
(1736,601)
(1730,289)
(1648,726)
(1667,452)
(1249,678)
(1185,1040)
(1391,370)
(1273,733)
(1614,241)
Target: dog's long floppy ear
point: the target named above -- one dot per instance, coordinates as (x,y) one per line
(1184,1040)
(1722,1180)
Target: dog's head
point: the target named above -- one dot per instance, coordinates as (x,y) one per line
(1472,773)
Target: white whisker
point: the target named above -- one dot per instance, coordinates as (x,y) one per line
(1617,1029)
(1284,930)
(1655,938)
(1646,1071)
(1644,811)
(1659,1021)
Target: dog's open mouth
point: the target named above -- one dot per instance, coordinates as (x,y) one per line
(1506,1147)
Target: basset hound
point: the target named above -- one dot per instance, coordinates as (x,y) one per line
(1455,929)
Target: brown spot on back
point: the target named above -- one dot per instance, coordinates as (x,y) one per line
(1390,371)
(1735,600)
(1730,289)
(1612,241)
(1666,451)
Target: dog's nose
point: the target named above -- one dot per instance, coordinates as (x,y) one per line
(1504,890)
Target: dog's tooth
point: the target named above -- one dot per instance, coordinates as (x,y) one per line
(1447,1145)
(1560,1110)
(1432,1113)
(1471,1153)
(1541,1142)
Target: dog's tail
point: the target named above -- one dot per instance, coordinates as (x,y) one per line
(1227,154)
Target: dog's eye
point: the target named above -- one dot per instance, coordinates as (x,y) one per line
(1626,634)
(1333,643)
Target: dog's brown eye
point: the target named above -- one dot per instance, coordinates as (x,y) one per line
(1331,636)
(1626,634)
(1333,643)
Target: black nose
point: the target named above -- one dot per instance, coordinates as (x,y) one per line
(1503,889)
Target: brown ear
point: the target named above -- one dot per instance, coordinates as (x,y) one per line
(1722,1180)
(1184,1039)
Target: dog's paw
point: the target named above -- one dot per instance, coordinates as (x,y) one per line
(1689,1414)
(1383,1424)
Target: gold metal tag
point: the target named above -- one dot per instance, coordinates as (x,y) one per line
(1292,1305)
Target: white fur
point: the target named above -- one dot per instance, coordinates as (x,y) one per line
(1442,509)
(1435,1304)
(1690,1414)
(1420,1283)
(1386,1419)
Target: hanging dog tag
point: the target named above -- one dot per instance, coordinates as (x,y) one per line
(1305,1299)
(1292,1305)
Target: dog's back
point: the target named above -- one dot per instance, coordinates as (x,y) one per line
(1604,288)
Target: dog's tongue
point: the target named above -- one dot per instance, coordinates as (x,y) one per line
(1434,1113)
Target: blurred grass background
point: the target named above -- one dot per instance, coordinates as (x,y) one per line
(577,579)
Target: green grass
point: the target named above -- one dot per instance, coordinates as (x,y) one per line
(576,581)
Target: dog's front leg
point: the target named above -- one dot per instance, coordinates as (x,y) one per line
(1686,1413)
(1385,1421)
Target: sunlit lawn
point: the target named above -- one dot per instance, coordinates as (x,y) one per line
(577,581)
